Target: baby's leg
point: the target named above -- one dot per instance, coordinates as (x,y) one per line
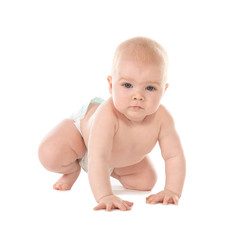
(59,152)
(141,176)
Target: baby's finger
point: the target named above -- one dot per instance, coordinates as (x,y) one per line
(129,203)
(156,199)
(150,198)
(122,206)
(109,207)
(128,207)
(165,201)
(175,200)
(100,206)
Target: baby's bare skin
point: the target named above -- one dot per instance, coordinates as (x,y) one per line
(119,134)
(124,129)
(127,148)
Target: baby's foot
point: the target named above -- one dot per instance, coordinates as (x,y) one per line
(66,181)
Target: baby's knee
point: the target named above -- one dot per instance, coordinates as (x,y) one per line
(144,181)
(47,156)
(149,180)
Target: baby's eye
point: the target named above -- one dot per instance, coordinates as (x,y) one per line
(150,88)
(127,85)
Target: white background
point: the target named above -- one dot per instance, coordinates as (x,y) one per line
(55,56)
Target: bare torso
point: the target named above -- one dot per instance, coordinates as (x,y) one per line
(131,142)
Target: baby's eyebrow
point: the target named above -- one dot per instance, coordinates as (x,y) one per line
(126,78)
(153,82)
(148,82)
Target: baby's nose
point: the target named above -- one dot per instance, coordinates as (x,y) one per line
(138,97)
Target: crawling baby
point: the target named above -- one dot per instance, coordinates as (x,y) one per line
(114,137)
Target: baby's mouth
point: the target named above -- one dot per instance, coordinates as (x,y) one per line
(136,107)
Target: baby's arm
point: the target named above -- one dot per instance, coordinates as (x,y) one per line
(99,153)
(175,166)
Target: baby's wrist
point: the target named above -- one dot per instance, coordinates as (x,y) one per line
(100,199)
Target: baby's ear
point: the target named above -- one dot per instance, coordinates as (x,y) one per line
(166,87)
(109,79)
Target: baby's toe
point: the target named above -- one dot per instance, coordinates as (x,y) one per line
(61,186)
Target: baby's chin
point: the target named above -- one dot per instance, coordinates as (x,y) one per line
(135,117)
(139,116)
(132,114)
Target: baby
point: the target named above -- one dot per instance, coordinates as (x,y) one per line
(113,137)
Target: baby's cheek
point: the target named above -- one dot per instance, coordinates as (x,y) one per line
(152,109)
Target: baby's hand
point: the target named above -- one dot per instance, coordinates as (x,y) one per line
(112,202)
(164,197)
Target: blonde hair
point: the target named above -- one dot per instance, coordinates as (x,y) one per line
(143,50)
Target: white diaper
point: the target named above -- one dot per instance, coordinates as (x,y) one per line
(83,162)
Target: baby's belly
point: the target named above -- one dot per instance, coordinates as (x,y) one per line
(123,160)
(129,153)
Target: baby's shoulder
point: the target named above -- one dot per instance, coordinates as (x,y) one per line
(105,113)
(164,116)
(106,109)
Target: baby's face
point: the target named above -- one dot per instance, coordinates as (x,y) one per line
(136,88)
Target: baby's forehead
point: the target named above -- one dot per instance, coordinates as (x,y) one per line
(128,64)
(140,55)
(142,73)
(139,60)
(132,70)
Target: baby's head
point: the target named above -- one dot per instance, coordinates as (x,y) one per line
(138,77)
(142,50)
